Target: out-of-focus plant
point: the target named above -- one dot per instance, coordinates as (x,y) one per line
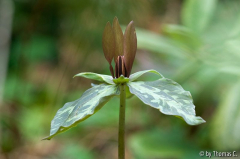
(163,94)
(206,47)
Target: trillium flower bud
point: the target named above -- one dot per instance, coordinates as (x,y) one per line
(120,68)
(163,94)
(121,48)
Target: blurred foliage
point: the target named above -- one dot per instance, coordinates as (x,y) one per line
(210,64)
(171,144)
(194,42)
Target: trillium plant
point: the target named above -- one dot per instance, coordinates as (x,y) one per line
(163,94)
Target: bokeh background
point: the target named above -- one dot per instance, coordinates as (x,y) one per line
(43,43)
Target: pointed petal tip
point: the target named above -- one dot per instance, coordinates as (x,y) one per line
(131,26)
(118,37)
(130,46)
(203,121)
(108,23)
(108,43)
(131,22)
(115,18)
(115,21)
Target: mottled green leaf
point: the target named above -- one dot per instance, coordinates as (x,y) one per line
(95,76)
(167,96)
(136,75)
(74,112)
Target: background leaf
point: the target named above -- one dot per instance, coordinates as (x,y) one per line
(183,37)
(227,118)
(157,143)
(74,151)
(196,14)
(159,44)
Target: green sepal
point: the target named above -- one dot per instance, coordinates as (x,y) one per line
(77,111)
(136,75)
(128,93)
(99,77)
(167,96)
(120,80)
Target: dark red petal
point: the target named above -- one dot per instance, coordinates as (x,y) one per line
(118,34)
(111,70)
(124,71)
(108,42)
(120,67)
(116,68)
(130,46)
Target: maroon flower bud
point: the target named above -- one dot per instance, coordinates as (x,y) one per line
(120,68)
(121,48)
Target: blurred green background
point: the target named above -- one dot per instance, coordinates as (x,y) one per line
(43,43)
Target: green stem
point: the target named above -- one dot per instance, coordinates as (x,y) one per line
(121,129)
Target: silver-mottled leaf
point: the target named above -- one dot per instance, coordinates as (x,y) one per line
(95,76)
(74,112)
(136,75)
(167,96)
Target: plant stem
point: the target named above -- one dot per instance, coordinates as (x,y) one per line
(121,129)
